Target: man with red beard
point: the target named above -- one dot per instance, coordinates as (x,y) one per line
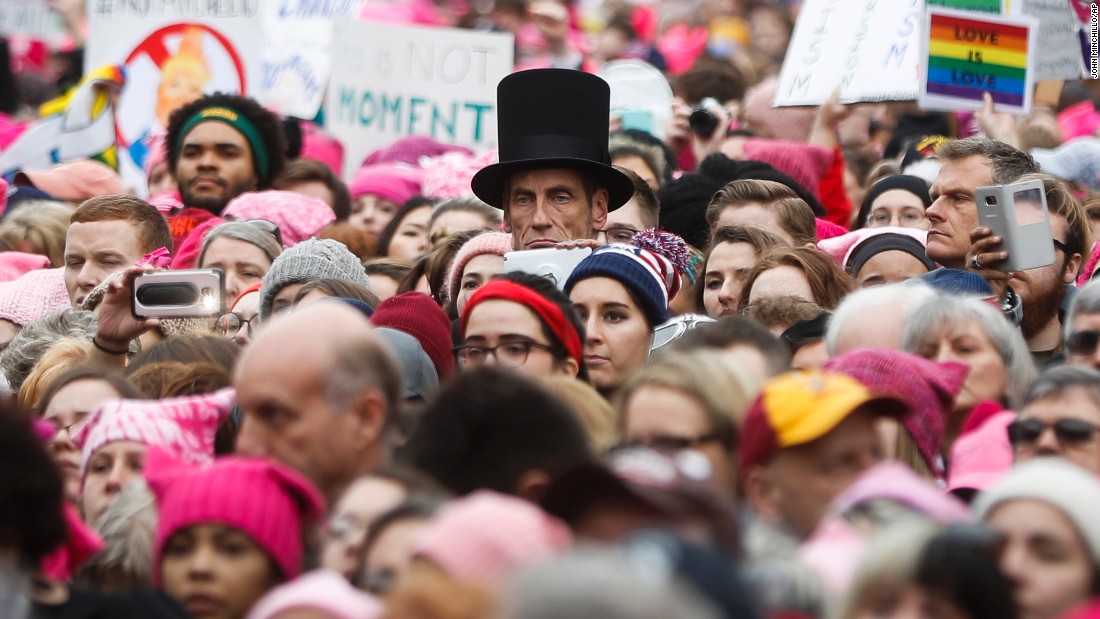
(219,147)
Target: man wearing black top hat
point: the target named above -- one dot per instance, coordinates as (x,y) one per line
(554,181)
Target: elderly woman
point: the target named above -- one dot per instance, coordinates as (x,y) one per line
(244,250)
(971,331)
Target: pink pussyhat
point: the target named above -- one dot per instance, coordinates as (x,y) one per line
(449,174)
(14,264)
(485,536)
(298,216)
(35,294)
(184,427)
(320,590)
(267,501)
(981,455)
(319,145)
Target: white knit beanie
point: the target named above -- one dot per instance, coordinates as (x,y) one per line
(1065,486)
(308,261)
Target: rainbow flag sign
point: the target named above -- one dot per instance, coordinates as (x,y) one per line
(968,54)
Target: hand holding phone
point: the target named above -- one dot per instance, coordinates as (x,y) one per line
(178,294)
(1018,214)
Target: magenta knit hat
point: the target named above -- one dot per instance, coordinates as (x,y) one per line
(324,590)
(320,145)
(408,150)
(34,295)
(395,182)
(805,163)
(781,123)
(298,216)
(498,243)
(420,316)
(183,427)
(265,500)
(927,387)
(485,536)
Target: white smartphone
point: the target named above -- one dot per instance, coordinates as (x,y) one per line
(178,294)
(1018,214)
(552,263)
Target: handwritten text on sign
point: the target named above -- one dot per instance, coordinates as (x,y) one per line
(389,82)
(970,54)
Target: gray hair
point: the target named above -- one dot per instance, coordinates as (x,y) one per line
(243,231)
(900,297)
(368,362)
(591,582)
(1009,163)
(944,312)
(1058,380)
(33,340)
(1086,301)
(127,528)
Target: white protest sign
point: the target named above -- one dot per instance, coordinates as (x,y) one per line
(391,81)
(297,59)
(870,48)
(174,52)
(30,18)
(1057,46)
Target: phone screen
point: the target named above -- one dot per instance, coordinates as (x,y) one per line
(1029,206)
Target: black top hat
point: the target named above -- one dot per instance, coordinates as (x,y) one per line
(552,118)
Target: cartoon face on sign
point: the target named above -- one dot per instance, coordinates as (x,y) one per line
(185,75)
(172,66)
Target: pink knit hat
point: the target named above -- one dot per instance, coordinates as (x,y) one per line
(265,500)
(320,145)
(167,202)
(298,216)
(324,590)
(184,427)
(929,388)
(410,149)
(156,151)
(982,455)
(805,163)
(448,175)
(792,124)
(34,295)
(826,229)
(395,182)
(840,248)
(498,243)
(15,264)
(1079,120)
(77,180)
(485,536)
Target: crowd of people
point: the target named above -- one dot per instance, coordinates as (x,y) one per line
(771,368)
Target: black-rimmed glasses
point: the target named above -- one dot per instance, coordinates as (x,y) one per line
(229,324)
(1068,431)
(1083,343)
(617,234)
(507,354)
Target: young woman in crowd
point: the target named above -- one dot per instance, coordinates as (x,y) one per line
(405,237)
(734,251)
(479,260)
(243,250)
(387,553)
(461,214)
(898,200)
(800,271)
(523,322)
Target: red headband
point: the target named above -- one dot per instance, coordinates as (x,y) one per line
(550,313)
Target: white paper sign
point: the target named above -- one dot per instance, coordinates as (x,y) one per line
(30,18)
(870,48)
(297,58)
(391,81)
(1057,46)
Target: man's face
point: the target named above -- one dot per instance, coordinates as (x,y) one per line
(94,250)
(547,206)
(1042,289)
(806,478)
(215,166)
(953,214)
(1087,355)
(753,214)
(285,414)
(622,224)
(1072,404)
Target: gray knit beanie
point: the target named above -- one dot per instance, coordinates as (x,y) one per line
(308,261)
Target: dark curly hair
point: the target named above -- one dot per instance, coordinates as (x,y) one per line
(267,124)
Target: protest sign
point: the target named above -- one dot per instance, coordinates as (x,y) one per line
(869,48)
(1057,48)
(174,52)
(297,58)
(966,55)
(982,6)
(391,81)
(30,18)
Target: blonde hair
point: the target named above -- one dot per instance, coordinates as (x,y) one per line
(42,224)
(596,415)
(59,358)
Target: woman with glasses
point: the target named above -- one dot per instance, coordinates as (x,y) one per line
(690,402)
(522,322)
(898,200)
(244,250)
(622,293)
(240,322)
(1046,511)
(970,330)
(65,405)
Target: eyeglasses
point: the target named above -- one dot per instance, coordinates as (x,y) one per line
(671,444)
(507,354)
(229,324)
(1083,343)
(1070,431)
(1062,246)
(69,428)
(617,234)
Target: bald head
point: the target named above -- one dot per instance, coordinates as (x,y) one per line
(316,390)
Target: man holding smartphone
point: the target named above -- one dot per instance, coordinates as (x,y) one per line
(554,182)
